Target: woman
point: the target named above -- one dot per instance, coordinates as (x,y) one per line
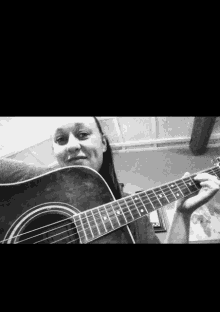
(81,141)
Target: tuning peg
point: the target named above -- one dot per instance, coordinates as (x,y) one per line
(216,161)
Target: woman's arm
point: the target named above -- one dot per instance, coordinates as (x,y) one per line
(180,227)
(15,171)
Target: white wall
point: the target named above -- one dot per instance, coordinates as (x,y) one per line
(126,133)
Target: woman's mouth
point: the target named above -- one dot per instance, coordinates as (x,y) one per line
(78,158)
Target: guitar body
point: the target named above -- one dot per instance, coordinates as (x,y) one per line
(31,210)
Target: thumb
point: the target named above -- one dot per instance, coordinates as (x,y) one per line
(186,175)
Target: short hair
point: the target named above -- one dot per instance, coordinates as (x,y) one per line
(107,170)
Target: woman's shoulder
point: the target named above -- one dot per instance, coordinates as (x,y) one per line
(12,171)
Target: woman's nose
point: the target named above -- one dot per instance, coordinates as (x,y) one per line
(73,143)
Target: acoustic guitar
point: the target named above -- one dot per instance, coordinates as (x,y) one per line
(74,205)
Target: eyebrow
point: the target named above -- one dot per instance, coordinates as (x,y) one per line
(77,125)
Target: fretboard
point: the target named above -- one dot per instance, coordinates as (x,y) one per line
(99,221)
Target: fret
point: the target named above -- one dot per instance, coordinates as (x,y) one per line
(210,171)
(191,185)
(147,203)
(181,193)
(175,190)
(90,228)
(168,193)
(214,174)
(136,203)
(186,186)
(103,222)
(214,171)
(217,170)
(80,229)
(119,213)
(139,205)
(99,222)
(112,216)
(161,196)
(105,219)
(153,198)
(85,224)
(109,217)
(92,223)
(142,211)
(185,191)
(133,209)
(196,183)
(95,223)
(126,210)
(121,205)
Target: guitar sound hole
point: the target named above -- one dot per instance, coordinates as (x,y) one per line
(61,233)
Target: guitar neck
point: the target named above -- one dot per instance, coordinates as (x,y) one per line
(99,221)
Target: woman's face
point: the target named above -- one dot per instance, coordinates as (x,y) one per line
(77,141)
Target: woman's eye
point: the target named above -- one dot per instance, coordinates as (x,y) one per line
(83,135)
(60,140)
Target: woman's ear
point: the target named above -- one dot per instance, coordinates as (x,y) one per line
(104,143)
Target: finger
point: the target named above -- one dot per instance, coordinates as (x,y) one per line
(210,185)
(207,192)
(186,174)
(213,180)
(180,201)
(205,176)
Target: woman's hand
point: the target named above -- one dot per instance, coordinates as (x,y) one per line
(210,186)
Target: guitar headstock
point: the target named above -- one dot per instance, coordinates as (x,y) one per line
(216,161)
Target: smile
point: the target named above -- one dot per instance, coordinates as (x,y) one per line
(76,158)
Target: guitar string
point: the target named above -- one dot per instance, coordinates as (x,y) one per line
(93,238)
(114,215)
(113,203)
(87,240)
(122,208)
(92,227)
(81,227)
(155,197)
(110,213)
(97,214)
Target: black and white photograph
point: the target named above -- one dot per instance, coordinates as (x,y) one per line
(109,180)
